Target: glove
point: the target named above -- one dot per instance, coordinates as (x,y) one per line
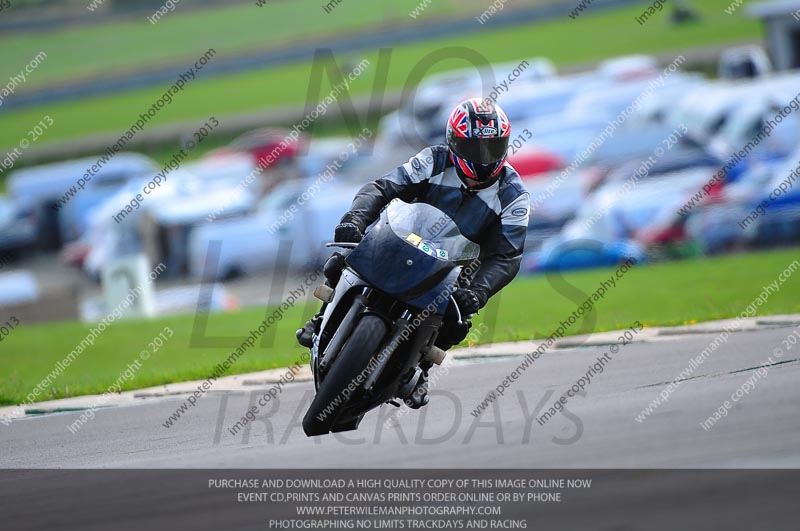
(467,301)
(347,233)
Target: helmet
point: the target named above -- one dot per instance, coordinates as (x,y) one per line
(477,134)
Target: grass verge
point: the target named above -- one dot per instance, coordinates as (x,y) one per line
(592,37)
(76,52)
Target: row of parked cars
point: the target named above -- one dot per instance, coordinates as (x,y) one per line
(603,194)
(651,189)
(597,197)
(197,200)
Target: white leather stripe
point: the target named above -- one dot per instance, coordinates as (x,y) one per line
(419,167)
(518,212)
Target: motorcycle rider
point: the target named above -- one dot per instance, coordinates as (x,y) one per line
(470,180)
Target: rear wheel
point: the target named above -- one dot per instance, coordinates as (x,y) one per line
(333,394)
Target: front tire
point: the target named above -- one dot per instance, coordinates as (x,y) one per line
(358,350)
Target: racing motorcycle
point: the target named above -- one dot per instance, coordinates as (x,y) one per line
(383,316)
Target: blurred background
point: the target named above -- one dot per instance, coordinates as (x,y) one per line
(622,113)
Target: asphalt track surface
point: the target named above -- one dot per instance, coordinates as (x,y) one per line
(600,431)
(761,430)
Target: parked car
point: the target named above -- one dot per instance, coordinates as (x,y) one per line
(705,109)
(535,102)
(781,223)
(17,231)
(423,111)
(554,199)
(559,254)
(263,144)
(681,156)
(281,231)
(208,191)
(743,62)
(566,136)
(628,221)
(532,162)
(749,119)
(715,226)
(648,100)
(628,67)
(36,190)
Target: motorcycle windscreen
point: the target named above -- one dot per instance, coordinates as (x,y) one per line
(410,251)
(430,230)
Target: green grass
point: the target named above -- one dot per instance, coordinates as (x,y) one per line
(670,293)
(663,294)
(87,50)
(30,353)
(592,37)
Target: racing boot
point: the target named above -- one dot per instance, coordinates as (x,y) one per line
(305,335)
(419,396)
(332,271)
(415,390)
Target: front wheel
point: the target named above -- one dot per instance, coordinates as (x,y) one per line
(337,387)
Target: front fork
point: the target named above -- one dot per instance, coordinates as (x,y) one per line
(343,331)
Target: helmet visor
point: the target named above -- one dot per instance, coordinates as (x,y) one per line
(480,150)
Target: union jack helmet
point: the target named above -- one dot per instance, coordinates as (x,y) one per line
(477,134)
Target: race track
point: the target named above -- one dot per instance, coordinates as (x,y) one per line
(600,430)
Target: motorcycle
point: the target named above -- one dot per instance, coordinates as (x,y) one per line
(383,316)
